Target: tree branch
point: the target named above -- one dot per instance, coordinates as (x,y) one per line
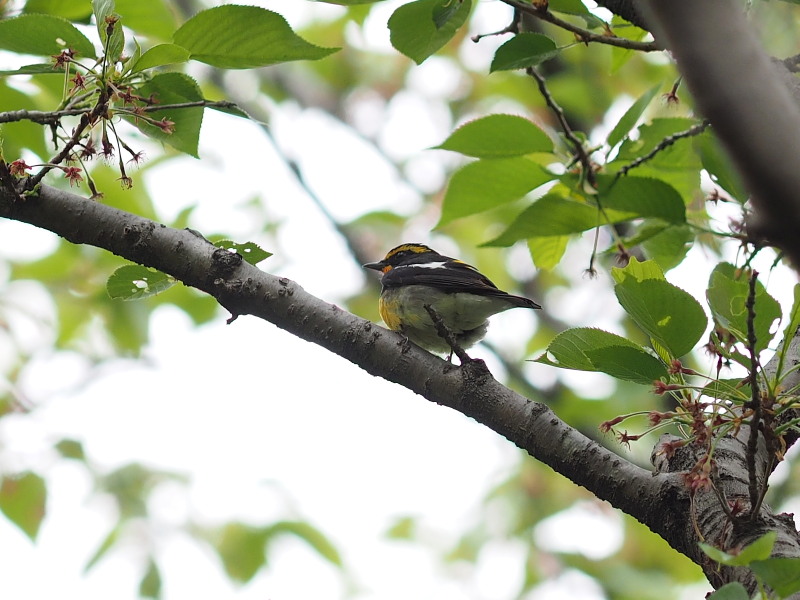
(245,290)
(583,34)
(738,88)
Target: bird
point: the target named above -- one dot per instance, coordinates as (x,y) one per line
(417,280)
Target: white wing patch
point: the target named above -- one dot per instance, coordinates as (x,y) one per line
(432,265)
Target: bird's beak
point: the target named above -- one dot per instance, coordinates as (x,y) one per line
(377,266)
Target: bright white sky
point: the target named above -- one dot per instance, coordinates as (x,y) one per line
(268,427)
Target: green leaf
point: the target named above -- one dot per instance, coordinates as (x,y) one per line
(73,11)
(758,550)
(669,315)
(644,197)
(38,69)
(404,528)
(134,282)
(311,535)
(789,331)
(522,51)
(413,32)
(242,550)
(589,349)
(498,136)
(577,8)
(109,22)
(107,543)
(727,297)
(550,215)
(174,88)
(631,117)
(638,271)
(730,591)
(546,251)
(150,585)
(251,252)
(152,18)
(244,37)
(22,501)
(727,389)
(42,35)
(160,55)
(444,10)
(719,167)
(349,2)
(781,574)
(71,449)
(669,246)
(488,183)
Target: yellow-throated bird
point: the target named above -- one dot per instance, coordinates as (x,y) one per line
(414,275)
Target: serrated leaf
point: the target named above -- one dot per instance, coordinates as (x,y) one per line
(550,215)
(22,501)
(42,35)
(522,51)
(244,37)
(134,282)
(727,298)
(160,55)
(639,271)
(781,574)
(498,136)
(631,117)
(645,197)
(250,251)
(413,32)
(589,349)
(668,314)
(488,183)
(173,88)
(546,252)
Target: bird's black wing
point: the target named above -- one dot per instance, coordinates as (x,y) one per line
(450,276)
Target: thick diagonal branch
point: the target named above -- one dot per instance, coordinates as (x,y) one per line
(245,290)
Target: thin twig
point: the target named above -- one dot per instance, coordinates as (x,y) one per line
(53,117)
(664,144)
(87,118)
(584,34)
(512,27)
(40,116)
(577,146)
(755,402)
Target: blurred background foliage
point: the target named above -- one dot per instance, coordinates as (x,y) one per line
(367,91)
